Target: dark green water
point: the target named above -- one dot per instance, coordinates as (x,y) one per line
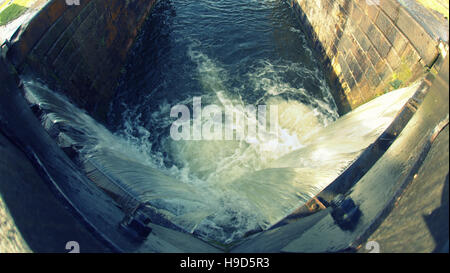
(230,53)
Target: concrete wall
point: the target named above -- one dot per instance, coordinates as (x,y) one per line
(80,49)
(25,203)
(370,48)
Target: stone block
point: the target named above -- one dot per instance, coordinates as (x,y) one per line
(379,41)
(384,24)
(421,40)
(393,59)
(361,39)
(391,8)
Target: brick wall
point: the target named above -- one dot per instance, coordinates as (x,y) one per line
(370,48)
(80,49)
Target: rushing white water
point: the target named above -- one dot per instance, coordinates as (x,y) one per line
(231,53)
(223,161)
(227,188)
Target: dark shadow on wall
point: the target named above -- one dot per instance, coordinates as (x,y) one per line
(80,49)
(134,82)
(336,87)
(40,217)
(437,221)
(45,225)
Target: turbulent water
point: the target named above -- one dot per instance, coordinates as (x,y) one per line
(231,53)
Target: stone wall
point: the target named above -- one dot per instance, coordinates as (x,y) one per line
(80,49)
(370,46)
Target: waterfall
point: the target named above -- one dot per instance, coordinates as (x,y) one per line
(222,189)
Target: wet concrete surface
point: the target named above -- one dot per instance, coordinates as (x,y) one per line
(272,241)
(52,205)
(32,218)
(377,192)
(419,222)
